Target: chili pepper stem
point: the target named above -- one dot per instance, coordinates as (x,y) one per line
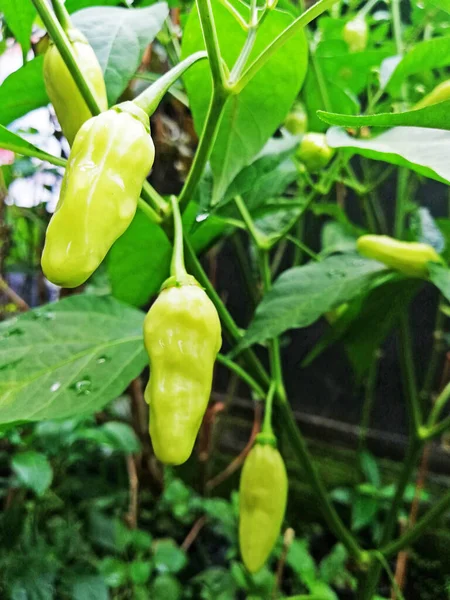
(62,15)
(177,268)
(152,96)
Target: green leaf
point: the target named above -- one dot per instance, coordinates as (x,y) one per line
(140,571)
(89,587)
(114,571)
(22,91)
(440,276)
(334,564)
(166,587)
(11,141)
(251,117)
(434,117)
(364,510)
(301,562)
(68,358)
(33,471)
(139,261)
(369,466)
(168,557)
(121,437)
(119,37)
(268,174)
(302,294)
(440,4)
(19,15)
(421,150)
(423,56)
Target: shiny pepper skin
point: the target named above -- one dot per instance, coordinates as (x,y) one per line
(262,504)
(356,34)
(440,93)
(410,258)
(314,152)
(182,335)
(70,108)
(110,159)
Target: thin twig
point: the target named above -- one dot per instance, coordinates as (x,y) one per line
(237,462)
(403,556)
(133,482)
(191,536)
(288,538)
(13,296)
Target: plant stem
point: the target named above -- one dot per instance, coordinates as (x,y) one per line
(148,211)
(436,356)
(426,522)
(64,46)
(248,46)
(62,15)
(177,268)
(299,23)
(276,369)
(242,373)
(209,31)
(267,423)
(333,520)
(150,98)
(409,377)
(256,236)
(370,581)
(205,145)
(402,186)
(369,400)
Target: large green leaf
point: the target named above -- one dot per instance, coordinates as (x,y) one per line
(23,91)
(302,294)
(11,141)
(440,276)
(119,37)
(19,15)
(68,358)
(422,150)
(435,117)
(74,5)
(139,261)
(424,56)
(251,117)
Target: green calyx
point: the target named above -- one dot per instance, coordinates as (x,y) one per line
(180,281)
(266,439)
(132,109)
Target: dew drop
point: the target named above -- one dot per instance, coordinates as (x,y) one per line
(55,386)
(102,359)
(82,387)
(201,217)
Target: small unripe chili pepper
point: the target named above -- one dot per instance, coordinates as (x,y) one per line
(356,34)
(297,120)
(182,335)
(262,502)
(440,93)
(410,258)
(314,152)
(110,159)
(69,105)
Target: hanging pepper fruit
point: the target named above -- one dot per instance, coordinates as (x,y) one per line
(356,34)
(182,335)
(410,258)
(440,93)
(297,120)
(110,159)
(69,105)
(262,502)
(314,152)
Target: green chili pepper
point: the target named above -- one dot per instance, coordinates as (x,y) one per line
(410,258)
(110,159)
